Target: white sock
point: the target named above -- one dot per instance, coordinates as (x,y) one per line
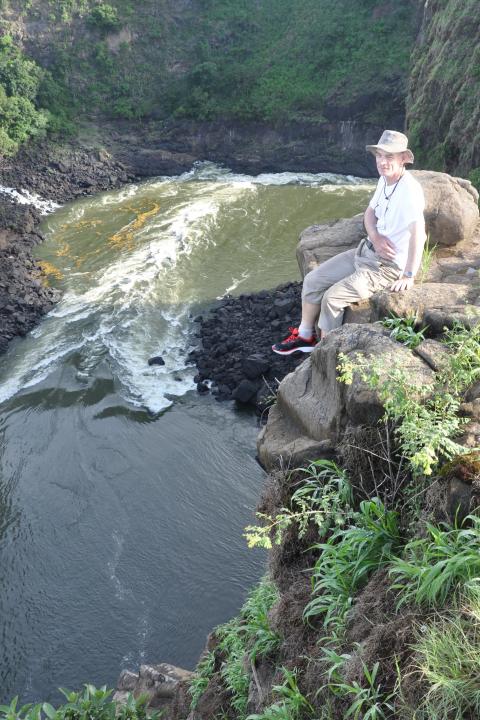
(305,331)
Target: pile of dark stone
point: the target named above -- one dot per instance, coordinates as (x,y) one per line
(63,172)
(235,360)
(24,297)
(56,173)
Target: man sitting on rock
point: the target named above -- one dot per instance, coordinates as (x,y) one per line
(388,257)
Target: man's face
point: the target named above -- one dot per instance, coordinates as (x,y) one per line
(389,165)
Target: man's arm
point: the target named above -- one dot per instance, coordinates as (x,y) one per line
(383,246)
(414,258)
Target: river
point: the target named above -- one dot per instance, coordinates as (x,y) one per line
(124,494)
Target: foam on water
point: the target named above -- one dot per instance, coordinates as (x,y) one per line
(211,171)
(117,312)
(129,306)
(24,197)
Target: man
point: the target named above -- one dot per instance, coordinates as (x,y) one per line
(388,257)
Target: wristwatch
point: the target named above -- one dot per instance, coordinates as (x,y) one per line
(407,274)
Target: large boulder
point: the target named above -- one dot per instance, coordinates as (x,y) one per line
(451,215)
(436,305)
(451,207)
(313,409)
(157,682)
(321,242)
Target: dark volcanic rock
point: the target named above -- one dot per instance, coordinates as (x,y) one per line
(53,172)
(157,360)
(236,345)
(24,298)
(256,365)
(245,391)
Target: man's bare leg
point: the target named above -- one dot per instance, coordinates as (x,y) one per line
(310,313)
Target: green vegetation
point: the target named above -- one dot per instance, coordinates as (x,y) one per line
(444,65)
(234,60)
(274,60)
(204,672)
(104,16)
(434,567)
(474,177)
(90,704)
(403,330)
(310,61)
(321,498)
(247,636)
(346,561)
(291,703)
(427,258)
(369,702)
(447,658)
(426,417)
(20,81)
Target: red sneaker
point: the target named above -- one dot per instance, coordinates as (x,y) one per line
(295,343)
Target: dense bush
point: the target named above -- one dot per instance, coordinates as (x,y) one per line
(237,59)
(20,80)
(104,17)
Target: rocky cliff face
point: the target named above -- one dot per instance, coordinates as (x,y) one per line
(193,74)
(444,85)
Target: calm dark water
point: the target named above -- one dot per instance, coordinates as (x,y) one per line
(123,494)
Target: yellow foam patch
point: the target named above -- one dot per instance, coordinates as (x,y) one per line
(50,270)
(126,236)
(64,250)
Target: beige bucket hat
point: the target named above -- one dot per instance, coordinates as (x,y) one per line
(392,142)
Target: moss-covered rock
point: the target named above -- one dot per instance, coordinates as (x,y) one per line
(444,86)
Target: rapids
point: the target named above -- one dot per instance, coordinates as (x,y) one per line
(123,494)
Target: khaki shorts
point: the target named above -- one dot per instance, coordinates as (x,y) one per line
(346,278)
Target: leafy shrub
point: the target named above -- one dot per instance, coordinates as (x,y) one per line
(402,329)
(89,704)
(426,418)
(104,17)
(323,498)
(346,561)
(18,75)
(20,79)
(435,566)
(20,121)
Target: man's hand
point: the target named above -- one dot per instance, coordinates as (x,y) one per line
(383,246)
(404,283)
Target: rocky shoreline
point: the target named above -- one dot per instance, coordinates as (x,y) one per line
(235,360)
(109,155)
(56,173)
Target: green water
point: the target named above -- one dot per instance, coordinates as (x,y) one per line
(124,494)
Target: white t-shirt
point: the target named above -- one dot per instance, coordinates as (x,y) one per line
(396,207)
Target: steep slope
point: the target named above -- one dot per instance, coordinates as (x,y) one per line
(239,59)
(443,104)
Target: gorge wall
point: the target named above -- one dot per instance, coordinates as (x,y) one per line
(266,83)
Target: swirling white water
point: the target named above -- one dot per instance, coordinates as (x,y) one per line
(123,494)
